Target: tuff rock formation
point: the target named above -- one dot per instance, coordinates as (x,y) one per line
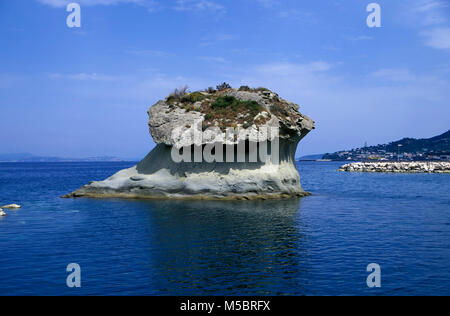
(206,147)
(398,167)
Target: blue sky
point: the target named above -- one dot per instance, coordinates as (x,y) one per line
(85,91)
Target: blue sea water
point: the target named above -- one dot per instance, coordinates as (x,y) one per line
(318,245)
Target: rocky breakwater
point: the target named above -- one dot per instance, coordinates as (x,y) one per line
(398,167)
(215,144)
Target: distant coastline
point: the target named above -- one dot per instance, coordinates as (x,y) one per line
(407,149)
(25,157)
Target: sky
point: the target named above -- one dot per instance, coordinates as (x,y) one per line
(81,92)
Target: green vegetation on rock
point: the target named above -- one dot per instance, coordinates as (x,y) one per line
(227,107)
(192,97)
(231,103)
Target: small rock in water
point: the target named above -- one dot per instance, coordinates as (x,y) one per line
(2,213)
(12,206)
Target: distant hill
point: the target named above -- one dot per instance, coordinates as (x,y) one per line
(26,157)
(311,157)
(435,144)
(435,148)
(14,157)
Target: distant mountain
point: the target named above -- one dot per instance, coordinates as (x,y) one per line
(445,136)
(25,157)
(311,157)
(435,144)
(14,157)
(435,148)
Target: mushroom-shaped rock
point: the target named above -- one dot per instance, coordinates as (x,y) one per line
(229,144)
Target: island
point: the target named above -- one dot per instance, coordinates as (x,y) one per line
(222,143)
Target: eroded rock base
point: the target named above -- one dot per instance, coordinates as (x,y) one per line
(158,177)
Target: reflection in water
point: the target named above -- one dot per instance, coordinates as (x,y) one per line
(216,247)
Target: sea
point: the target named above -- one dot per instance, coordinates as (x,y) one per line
(318,245)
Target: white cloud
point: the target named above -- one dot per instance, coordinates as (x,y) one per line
(150,52)
(438,38)
(214,39)
(288,69)
(432,19)
(393,74)
(63,3)
(198,6)
(296,15)
(361,38)
(268,3)
(213,59)
(430,12)
(84,77)
(149,5)
(284,11)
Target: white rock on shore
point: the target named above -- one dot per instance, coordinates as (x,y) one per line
(11,206)
(398,167)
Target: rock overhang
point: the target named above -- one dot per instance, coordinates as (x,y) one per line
(254,115)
